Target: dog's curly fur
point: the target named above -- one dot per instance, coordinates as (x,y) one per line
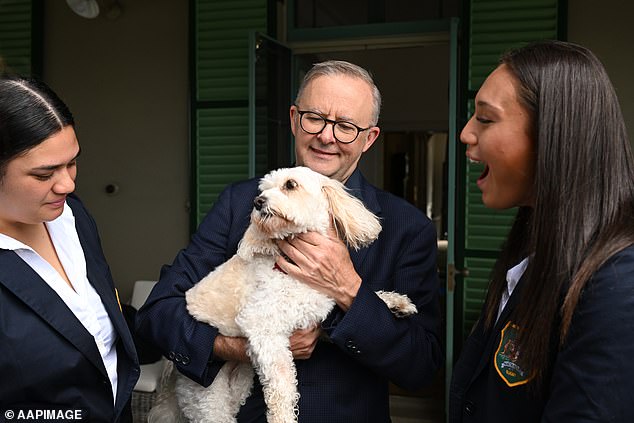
(247,296)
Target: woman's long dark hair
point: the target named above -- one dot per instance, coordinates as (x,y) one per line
(30,112)
(584,193)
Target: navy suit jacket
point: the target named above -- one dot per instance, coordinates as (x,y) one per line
(591,377)
(47,357)
(345,380)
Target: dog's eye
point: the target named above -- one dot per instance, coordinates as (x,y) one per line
(290,184)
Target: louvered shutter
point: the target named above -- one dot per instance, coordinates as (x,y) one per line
(220,151)
(16,37)
(494,27)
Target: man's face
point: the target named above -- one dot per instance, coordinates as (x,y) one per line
(339,98)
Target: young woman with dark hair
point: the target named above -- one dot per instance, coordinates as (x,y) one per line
(65,350)
(554,340)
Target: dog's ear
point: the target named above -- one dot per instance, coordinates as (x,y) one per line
(357,226)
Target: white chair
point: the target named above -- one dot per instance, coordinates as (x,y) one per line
(150,373)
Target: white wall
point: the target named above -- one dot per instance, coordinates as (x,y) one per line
(125,80)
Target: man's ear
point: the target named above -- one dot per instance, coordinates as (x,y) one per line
(373,134)
(292,114)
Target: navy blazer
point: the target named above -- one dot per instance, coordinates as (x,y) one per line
(47,358)
(591,377)
(345,380)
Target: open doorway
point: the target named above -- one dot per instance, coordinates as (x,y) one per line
(409,158)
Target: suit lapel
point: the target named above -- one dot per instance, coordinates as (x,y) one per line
(358,186)
(97,277)
(26,284)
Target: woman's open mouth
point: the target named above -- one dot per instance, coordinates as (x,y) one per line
(484,173)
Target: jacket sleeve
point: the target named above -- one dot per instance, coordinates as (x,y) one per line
(164,319)
(405,351)
(593,374)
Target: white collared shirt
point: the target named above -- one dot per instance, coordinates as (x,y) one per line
(83,301)
(513,276)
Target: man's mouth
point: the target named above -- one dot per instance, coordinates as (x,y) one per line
(322,152)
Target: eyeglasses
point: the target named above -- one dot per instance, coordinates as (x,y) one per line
(344,132)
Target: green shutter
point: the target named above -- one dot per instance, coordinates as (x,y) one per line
(222,43)
(223,151)
(495,26)
(220,153)
(16,44)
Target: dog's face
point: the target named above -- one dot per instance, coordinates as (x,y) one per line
(291,201)
(297,200)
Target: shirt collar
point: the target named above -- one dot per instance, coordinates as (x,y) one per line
(514,275)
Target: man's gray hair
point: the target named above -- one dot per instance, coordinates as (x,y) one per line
(340,67)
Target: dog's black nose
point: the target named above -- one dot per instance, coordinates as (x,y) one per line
(259,202)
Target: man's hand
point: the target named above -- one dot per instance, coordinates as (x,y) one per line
(303,342)
(322,262)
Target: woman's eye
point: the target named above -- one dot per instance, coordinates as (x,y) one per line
(483,121)
(43,177)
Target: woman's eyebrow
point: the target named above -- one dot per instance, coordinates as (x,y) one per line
(57,166)
(487,105)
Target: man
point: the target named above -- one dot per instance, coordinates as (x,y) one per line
(343,379)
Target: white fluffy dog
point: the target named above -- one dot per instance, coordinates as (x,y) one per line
(247,296)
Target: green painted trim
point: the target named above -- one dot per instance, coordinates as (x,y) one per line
(451,198)
(211,104)
(193,141)
(252,59)
(369,30)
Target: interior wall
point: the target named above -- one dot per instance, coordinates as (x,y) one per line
(606,28)
(125,80)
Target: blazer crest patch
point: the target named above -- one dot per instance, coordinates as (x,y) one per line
(506,357)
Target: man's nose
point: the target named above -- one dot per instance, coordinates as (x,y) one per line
(327,135)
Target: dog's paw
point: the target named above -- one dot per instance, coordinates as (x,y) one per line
(400,305)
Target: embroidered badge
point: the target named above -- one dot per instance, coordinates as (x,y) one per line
(506,357)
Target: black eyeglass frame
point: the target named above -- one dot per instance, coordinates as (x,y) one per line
(333,122)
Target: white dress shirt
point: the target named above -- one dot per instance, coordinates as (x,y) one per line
(83,301)
(513,276)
